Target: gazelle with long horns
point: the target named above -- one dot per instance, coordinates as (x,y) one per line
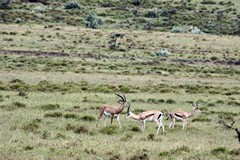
(183,116)
(147,116)
(112,111)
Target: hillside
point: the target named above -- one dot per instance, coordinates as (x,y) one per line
(210,16)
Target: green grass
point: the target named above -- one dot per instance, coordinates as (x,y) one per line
(36,131)
(54,77)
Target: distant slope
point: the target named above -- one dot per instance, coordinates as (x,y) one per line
(210,16)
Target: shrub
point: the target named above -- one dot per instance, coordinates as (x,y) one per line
(151,136)
(19,105)
(137,2)
(135,129)
(152,13)
(71,115)
(38,9)
(127,137)
(72,5)
(208,2)
(81,130)
(5,4)
(18,20)
(92,21)
(50,106)
(54,115)
(1,98)
(170,101)
(8,107)
(177,29)
(201,119)
(88,118)
(195,30)
(162,53)
(235,151)
(186,29)
(219,150)
(109,130)
(70,127)
(31,127)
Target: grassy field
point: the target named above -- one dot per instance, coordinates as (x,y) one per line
(55,74)
(62,85)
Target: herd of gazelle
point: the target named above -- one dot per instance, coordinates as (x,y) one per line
(146,116)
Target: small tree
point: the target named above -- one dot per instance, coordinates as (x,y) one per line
(92,21)
(72,5)
(5,4)
(227,126)
(137,2)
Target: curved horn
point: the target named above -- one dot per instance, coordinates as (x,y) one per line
(129,105)
(120,97)
(125,100)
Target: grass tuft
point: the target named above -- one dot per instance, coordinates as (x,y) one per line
(109,130)
(50,107)
(88,118)
(53,115)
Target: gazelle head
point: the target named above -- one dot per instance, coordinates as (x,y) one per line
(128,111)
(123,100)
(196,107)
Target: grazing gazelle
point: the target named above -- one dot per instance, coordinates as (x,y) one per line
(147,116)
(112,111)
(183,116)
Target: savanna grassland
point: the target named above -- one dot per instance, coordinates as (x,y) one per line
(54,75)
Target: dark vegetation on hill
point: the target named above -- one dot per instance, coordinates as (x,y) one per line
(209,16)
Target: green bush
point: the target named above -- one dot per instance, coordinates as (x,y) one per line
(208,2)
(50,106)
(92,21)
(219,150)
(19,105)
(38,9)
(71,115)
(170,101)
(152,13)
(109,130)
(137,2)
(72,5)
(88,118)
(186,29)
(54,115)
(1,98)
(31,127)
(163,53)
(81,130)
(135,129)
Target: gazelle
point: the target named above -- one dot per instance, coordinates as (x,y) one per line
(183,116)
(112,111)
(147,116)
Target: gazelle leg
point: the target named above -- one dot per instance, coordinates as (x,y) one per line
(119,122)
(184,123)
(173,123)
(161,125)
(112,119)
(144,124)
(158,124)
(170,125)
(105,120)
(98,119)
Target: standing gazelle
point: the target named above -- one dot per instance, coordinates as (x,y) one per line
(148,116)
(183,116)
(112,111)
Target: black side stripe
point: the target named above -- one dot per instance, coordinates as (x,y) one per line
(160,116)
(178,115)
